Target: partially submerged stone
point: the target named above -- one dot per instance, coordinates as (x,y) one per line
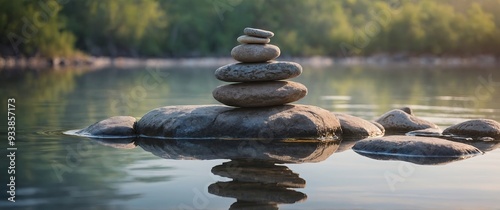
(356,127)
(118,126)
(420,150)
(398,121)
(475,129)
(214,121)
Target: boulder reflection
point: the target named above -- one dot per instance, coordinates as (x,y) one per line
(257,184)
(277,151)
(257,181)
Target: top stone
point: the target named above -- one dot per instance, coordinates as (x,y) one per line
(258,32)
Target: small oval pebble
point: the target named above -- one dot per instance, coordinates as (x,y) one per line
(252,40)
(255,53)
(259,94)
(258,32)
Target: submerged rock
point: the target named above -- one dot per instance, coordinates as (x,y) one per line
(398,121)
(355,127)
(213,121)
(420,150)
(119,126)
(475,129)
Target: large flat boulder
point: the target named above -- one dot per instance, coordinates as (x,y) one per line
(223,122)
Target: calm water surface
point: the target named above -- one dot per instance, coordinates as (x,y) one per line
(56,171)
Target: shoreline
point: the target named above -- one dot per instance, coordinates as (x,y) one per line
(316,61)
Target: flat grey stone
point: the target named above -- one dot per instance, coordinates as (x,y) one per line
(414,148)
(259,94)
(258,32)
(214,121)
(121,126)
(252,40)
(257,72)
(475,129)
(398,121)
(355,127)
(255,53)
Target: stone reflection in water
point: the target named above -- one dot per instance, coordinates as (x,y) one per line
(257,184)
(293,151)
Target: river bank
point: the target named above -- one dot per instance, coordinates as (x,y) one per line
(317,61)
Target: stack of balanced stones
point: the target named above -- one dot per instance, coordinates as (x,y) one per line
(260,79)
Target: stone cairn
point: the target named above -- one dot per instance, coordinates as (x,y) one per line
(260,80)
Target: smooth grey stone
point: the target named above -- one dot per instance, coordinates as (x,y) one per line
(255,53)
(258,32)
(400,122)
(475,129)
(355,127)
(120,126)
(415,149)
(252,40)
(259,94)
(214,121)
(257,72)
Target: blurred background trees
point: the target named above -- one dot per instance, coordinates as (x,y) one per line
(193,28)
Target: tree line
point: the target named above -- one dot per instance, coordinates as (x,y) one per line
(193,28)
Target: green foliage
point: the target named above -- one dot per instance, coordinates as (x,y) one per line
(186,28)
(34,27)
